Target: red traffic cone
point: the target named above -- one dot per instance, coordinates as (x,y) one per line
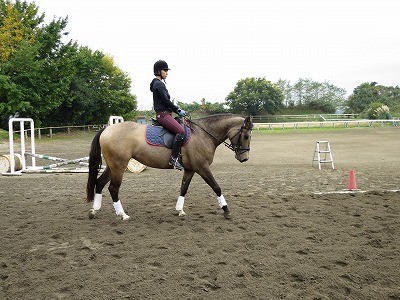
(352,181)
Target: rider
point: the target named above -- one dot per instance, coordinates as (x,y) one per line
(164,108)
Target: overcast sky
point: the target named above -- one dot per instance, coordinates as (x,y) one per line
(211,44)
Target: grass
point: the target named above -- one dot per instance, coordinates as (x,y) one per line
(3,134)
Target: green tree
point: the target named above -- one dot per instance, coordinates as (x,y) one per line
(34,77)
(97,89)
(254,96)
(50,81)
(287,91)
(203,108)
(17,23)
(190,107)
(363,95)
(371,92)
(306,93)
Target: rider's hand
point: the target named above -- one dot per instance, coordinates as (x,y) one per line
(181,113)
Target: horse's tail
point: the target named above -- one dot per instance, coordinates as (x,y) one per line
(94,166)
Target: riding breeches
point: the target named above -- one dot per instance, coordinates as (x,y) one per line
(166,120)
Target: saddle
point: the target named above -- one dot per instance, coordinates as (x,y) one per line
(156,135)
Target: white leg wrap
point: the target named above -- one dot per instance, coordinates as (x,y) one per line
(120,211)
(179,203)
(221,201)
(97,201)
(118,207)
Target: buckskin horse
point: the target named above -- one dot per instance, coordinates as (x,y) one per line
(122,141)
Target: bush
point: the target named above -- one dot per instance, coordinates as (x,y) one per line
(3,134)
(378,111)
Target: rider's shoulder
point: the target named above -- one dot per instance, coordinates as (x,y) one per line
(158,84)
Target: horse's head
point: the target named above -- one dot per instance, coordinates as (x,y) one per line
(240,140)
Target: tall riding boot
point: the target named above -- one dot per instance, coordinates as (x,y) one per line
(176,152)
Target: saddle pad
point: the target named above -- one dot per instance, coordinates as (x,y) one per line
(155,135)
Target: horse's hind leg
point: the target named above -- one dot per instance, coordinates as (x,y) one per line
(113,188)
(100,183)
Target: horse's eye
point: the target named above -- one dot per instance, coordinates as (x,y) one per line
(246,136)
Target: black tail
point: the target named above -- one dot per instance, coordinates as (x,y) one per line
(94,166)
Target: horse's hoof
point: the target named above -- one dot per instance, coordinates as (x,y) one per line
(92,214)
(182,214)
(125,217)
(227,215)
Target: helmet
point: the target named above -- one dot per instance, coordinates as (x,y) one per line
(160,65)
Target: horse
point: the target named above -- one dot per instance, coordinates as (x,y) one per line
(120,142)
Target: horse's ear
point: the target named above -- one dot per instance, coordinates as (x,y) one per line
(248,124)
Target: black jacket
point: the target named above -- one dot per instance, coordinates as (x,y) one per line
(161,97)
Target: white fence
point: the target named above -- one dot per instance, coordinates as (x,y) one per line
(336,123)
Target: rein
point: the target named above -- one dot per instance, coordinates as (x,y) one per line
(234,148)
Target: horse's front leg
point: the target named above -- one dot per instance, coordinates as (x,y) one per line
(210,180)
(187,178)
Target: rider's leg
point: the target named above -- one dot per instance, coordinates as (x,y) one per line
(167,121)
(176,160)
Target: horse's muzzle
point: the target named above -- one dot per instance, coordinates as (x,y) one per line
(242,154)
(242,158)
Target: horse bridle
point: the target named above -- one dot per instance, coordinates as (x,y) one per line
(235,148)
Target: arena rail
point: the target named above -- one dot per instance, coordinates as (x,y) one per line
(304,118)
(39,132)
(327,124)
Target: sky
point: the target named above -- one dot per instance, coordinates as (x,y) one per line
(210,45)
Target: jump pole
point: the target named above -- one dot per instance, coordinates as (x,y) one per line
(62,162)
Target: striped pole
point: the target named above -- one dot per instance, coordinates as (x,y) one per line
(58,170)
(48,157)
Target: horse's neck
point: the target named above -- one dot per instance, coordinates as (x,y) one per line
(220,129)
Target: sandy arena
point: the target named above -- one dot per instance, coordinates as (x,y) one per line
(284,241)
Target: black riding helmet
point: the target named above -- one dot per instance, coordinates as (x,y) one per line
(160,65)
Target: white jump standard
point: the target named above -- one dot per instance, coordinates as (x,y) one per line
(33,168)
(21,122)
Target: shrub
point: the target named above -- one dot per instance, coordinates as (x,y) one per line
(378,111)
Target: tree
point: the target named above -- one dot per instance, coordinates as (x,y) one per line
(203,108)
(363,95)
(306,93)
(55,83)
(371,92)
(97,89)
(17,23)
(287,91)
(254,96)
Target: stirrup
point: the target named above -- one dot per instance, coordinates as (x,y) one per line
(176,164)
